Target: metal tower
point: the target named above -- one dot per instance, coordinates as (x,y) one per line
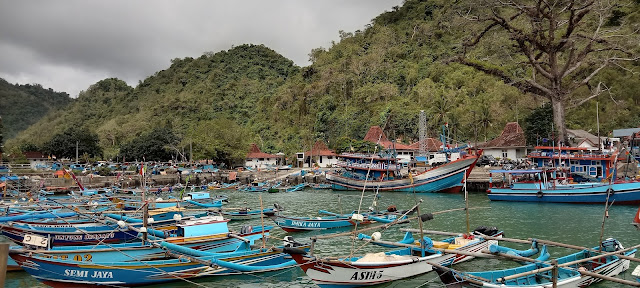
(423,134)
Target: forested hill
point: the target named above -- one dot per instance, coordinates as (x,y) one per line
(23,105)
(224,92)
(381,75)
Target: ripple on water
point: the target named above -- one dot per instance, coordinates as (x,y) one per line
(569,223)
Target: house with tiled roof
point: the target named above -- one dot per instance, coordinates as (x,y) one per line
(319,155)
(258,159)
(433,145)
(584,139)
(376,135)
(37,159)
(511,144)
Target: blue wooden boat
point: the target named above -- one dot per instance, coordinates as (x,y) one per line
(86,235)
(209,233)
(202,196)
(384,175)
(82,232)
(256,186)
(570,276)
(541,186)
(296,188)
(297,224)
(71,273)
(320,186)
(214,204)
(246,213)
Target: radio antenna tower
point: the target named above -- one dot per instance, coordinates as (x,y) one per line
(423,134)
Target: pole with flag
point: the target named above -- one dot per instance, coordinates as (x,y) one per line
(144,186)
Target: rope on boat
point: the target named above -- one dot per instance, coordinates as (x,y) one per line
(366,178)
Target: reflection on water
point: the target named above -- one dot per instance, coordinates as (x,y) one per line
(569,223)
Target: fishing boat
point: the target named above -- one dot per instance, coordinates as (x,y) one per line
(209,233)
(593,163)
(636,273)
(256,186)
(540,185)
(298,224)
(605,263)
(320,186)
(205,197)
(188,264)
(247,214)
(62,232)
(383,267)
(382,172)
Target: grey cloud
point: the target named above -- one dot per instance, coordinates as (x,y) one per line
(69,45)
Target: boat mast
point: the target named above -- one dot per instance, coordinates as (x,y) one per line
(466,203)
(598,125)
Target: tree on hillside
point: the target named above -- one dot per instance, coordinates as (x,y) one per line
(221,140)
(554,48)
(63,145)
(152,146)
(537,125)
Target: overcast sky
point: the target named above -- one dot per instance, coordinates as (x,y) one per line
(69,45)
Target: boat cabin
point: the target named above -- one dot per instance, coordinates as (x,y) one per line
(582,160)
(197,195)
(383,166)
(203,226)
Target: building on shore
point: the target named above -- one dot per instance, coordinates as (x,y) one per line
(258,159)
(511,144)
(319,155)
(405,152)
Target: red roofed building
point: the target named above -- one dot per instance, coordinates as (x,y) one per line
(433,145)
(405,152)
(511,144)
(257,159)
(321,154)
(37,160)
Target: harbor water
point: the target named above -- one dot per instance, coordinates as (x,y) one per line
(574,224)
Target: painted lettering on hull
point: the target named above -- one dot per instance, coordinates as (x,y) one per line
(305,224)
(85,274)
(102,274)
(366,275)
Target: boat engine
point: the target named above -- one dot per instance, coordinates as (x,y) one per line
(278,207)
(484,230)
(611,245)
(246,229)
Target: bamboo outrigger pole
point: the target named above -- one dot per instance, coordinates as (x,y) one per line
(615,253)
(522,241)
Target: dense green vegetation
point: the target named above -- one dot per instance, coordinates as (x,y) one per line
(64,145)
(382,75)
(23,105)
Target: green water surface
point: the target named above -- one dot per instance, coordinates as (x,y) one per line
(575,224)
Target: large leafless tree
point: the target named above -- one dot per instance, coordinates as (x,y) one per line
(554,49)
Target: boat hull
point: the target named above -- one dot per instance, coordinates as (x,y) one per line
(349,273)
(541,280)
(298,224)
(65,273)
(623,193)
(444,178)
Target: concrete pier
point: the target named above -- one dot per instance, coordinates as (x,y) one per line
(478,180)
